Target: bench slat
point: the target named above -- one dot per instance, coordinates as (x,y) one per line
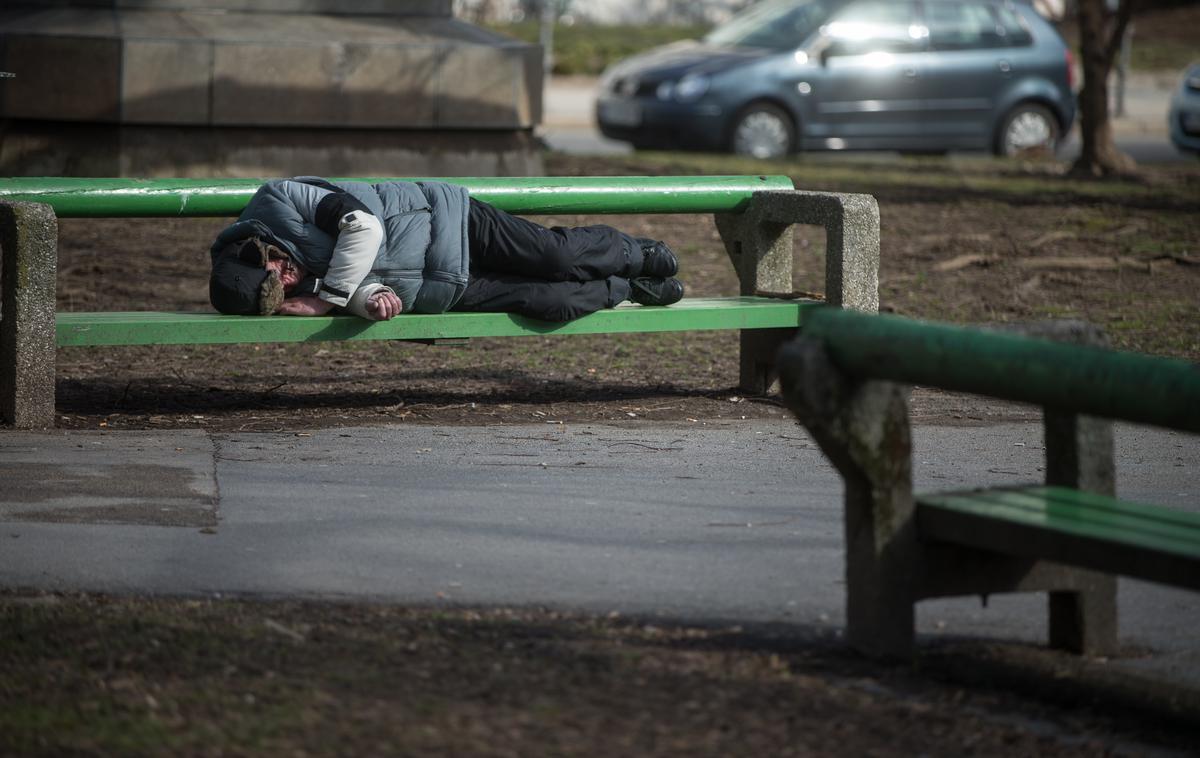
(158,328)
(1088,509)
(1067,526)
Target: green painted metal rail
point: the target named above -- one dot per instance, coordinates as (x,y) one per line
(1078,378)
(133,198)
(151,328)
(1081,528)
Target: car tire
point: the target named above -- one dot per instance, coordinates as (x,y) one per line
(762,130)
(1027,128)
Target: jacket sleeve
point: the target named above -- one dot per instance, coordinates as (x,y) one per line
(358,301)
(359,236)
(358,232)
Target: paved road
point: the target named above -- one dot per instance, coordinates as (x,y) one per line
(1141,131)
(736,521)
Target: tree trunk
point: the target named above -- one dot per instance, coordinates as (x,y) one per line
(1100,34)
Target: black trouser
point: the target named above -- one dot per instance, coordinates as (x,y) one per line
(555,274)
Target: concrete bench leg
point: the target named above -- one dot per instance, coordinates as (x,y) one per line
(759,242)
(761,251)
(29,249)
(1079,454)
(864,430)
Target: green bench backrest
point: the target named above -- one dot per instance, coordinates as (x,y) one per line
(141,198)
(1076,378)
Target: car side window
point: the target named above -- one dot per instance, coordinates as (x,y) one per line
(875,26)
(960,26)
(1016,33)
(972,26)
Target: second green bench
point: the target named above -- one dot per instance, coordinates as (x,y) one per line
(847,378)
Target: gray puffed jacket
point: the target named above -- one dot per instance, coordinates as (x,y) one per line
(424,256)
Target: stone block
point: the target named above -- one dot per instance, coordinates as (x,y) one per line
(152,27)
(21,19)
(356,7)
(377,66)
(62,78)
(166,82)
(335,85)
(486,87)
(73,149)
(60,148)
(264,69)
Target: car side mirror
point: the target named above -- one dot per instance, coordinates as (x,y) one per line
(825,49)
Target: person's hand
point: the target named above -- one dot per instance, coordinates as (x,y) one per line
(382,305)
(305,305)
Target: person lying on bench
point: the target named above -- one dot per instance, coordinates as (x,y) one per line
(305,247)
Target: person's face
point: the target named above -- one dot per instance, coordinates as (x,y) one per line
(290,272)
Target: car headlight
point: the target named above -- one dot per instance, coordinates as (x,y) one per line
(691,87)
(608,79)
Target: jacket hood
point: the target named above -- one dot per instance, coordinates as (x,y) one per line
(245,229)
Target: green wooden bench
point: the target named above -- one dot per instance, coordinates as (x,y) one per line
(847,378)
(754,215)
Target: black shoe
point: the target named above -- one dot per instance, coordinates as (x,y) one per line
(657,259)
(653,290)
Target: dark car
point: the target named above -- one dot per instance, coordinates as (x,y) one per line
(1184,115)
(912,75)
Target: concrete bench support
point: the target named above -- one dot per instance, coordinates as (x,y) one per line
(863,427)
(29,249)
(760,244)
(1079,455)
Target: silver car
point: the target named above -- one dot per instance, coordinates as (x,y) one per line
(1184,116)
(912,75)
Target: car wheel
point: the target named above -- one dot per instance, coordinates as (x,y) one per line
(763,131)
(1028,128)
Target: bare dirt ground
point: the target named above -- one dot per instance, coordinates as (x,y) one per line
(88,675)
(971,242)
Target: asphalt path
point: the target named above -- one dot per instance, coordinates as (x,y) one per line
(731,522)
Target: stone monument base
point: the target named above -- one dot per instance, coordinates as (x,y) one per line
(46,148)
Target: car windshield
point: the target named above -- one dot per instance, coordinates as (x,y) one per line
(774,24)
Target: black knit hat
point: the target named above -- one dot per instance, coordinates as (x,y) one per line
(241,284)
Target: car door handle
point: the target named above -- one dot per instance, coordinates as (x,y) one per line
(1003,66)
(910,73)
